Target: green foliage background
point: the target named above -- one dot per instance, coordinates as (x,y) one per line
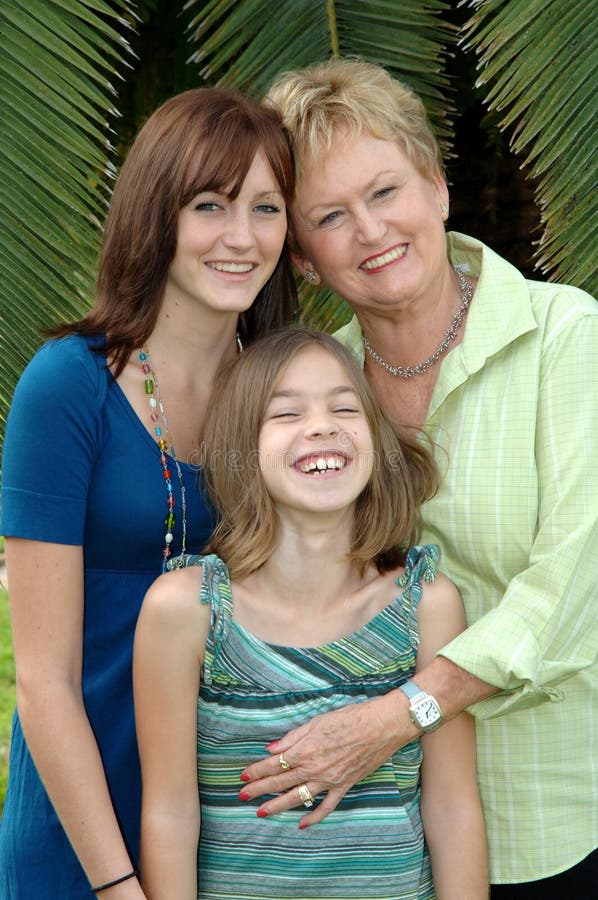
(69,69)
(511,87)
(7,691)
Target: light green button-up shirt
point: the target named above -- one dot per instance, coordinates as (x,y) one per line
(514,414)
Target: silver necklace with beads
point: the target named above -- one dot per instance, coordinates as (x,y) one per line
(165,444)
(449,336)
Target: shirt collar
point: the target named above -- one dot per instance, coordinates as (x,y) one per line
(500,311)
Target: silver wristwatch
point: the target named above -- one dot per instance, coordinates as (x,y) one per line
(424,709)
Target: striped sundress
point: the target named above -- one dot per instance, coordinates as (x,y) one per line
(372,846)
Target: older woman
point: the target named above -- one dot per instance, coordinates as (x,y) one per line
(501,373)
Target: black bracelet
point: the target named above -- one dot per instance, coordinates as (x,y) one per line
(110,884)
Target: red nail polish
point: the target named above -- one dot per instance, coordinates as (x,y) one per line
(244,777)
(272,745)
(262,813)
(303,825)
(244,795)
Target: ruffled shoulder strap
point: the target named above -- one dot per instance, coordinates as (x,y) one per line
(421,565)
(215,592)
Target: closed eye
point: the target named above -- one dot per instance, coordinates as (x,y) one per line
(383,193)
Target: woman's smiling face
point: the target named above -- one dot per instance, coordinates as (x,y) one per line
(370,223)
(228,248)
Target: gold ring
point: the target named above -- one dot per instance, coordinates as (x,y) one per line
(306,796)
(283,763)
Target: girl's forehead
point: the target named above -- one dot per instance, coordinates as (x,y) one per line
(313,369)
(313,357)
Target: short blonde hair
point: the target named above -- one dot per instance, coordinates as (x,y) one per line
(387,519)
(354,97)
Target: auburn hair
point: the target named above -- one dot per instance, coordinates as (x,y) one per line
(201,140)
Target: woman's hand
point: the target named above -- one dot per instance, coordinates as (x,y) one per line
(329,754)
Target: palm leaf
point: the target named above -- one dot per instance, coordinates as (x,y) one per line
(58,62)
(247,43)
(538,59)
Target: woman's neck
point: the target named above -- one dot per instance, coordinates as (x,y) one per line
(184,361)
(407,334)
(194,342)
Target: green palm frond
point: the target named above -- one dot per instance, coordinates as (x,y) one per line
(321,308)
(247,43)
(538,58)
(58,59)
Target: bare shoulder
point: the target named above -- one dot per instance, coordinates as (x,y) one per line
(441,596)
(441,616)
(173,599)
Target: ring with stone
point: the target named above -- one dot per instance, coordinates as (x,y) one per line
(306,796)
(283,763)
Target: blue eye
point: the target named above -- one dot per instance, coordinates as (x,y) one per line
(207,206)
(268,208)
(330,218)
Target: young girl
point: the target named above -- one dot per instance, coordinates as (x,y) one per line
(312,597)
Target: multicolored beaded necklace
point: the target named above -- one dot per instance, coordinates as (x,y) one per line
(165,443)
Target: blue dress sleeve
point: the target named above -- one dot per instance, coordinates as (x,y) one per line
(53,434)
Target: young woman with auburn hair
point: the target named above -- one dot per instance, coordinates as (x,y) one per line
(100,471)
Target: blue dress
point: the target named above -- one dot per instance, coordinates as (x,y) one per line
(80,468)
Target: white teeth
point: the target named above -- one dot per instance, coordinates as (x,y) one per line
(231,267)
(322,465)
(383,260)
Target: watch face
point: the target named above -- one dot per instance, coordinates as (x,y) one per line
(427,712)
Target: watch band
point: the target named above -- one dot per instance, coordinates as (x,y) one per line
(411,689)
